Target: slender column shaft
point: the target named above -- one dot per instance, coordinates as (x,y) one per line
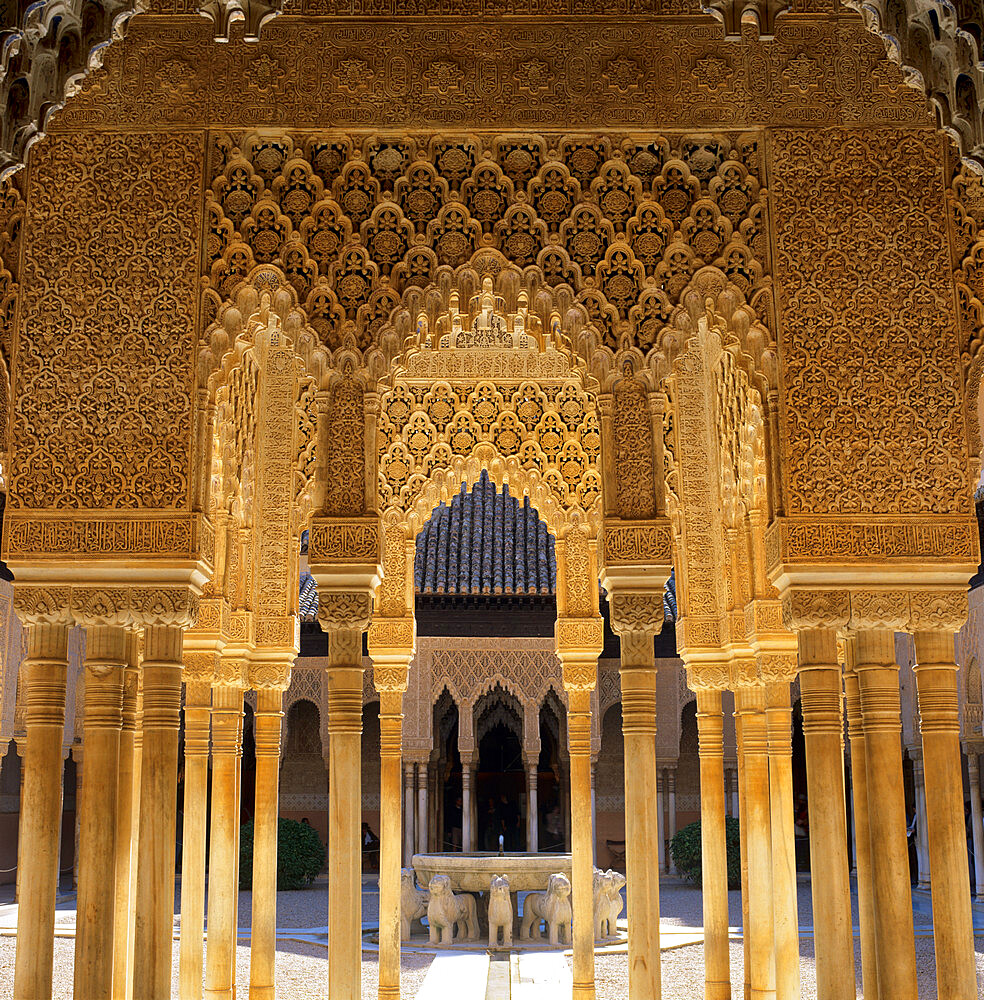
(44,669)
(198,696)
(579,744)
(532,808)
(390,740)
(743,854)
(594,813)
(467,793)
(922,822)
(761,928)
(661,816)
(263,938)
(641,821)
(409,811)
(820,692)
(953,933)
(862,834)
(778,718)
(878,678)
(105,661)
(345,815)
(223,890)
(671,811)
(713,843)
(126,855)
(422,771)
(135,836)
(154,927)
(973,769)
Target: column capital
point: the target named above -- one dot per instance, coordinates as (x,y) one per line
(579,643)
(272,672)
(349,609)
(636,611)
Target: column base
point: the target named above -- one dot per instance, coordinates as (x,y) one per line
(389,993)
(717,990)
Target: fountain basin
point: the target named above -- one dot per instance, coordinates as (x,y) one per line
(472,872)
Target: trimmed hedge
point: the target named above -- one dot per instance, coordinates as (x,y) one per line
(685,847)
(300,855)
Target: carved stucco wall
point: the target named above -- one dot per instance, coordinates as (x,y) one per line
(970,657)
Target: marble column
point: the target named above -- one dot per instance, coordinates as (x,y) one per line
(878,678)
(422,782)
(44,671)
(161,683)
(661,815)
(105,661)
(862,834)
(390,740)
(345,814)
(923,879)
(532,807)
(820,694)
(750,702)
(939,724)
(642,830)
(263,940)
(713,841)
(223,888)
(973,772)
(671,812)
(126,828)
(579,744)
(467,798)
(733,798)
(778,717)
(409,811)
(191,954)
(743,857)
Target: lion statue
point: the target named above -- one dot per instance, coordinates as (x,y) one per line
(553,907)
(613,892)
(602,881)
(445,911)
(500,912)
(413,903)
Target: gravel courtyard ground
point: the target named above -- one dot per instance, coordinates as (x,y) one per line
(302,966)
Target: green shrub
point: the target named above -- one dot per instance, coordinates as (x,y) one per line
(685,848)
(300,855)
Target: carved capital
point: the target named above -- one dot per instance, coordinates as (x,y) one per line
(232,672)
(200,665)
(269,675)
(579,674)
(879,609)
(816,609)
(937,610)
(710,676)
(392,678)
(744,673)
(42,605)
(636,612)
(344,610)
(777,668)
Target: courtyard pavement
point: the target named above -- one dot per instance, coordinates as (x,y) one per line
(531,975)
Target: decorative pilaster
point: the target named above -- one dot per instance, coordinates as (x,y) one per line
(199,671)
(820,698)
(269,678)
(104,665)
(223,851)
(44,669)
(714,847)
(161,676)
(878,677)
(953,934)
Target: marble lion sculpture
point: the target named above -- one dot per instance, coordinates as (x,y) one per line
(602,881)
(413,903)
(500,912)
(553,907)
(613,893)
(445,911)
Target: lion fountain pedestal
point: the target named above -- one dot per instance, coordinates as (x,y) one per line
(455,910)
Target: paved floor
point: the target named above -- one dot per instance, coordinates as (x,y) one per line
(302,955)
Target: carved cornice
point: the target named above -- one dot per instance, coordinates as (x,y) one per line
(106,605)
(497,73)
